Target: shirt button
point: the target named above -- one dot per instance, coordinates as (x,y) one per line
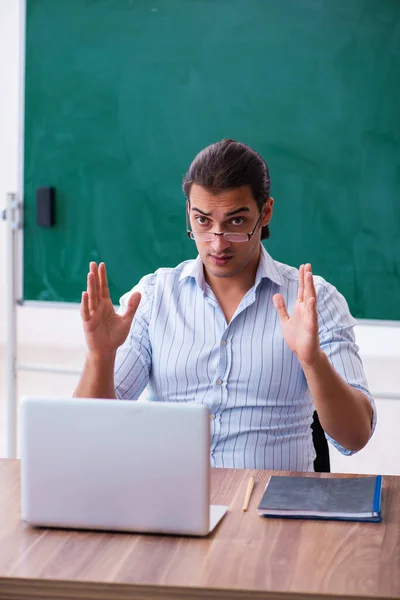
(219,381)
(212,416)
(224,343)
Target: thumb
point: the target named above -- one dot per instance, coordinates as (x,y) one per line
(280,306)
(133,304)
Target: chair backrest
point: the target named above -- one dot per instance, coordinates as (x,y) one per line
(322,462)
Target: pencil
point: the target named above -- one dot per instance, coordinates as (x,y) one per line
(249,489)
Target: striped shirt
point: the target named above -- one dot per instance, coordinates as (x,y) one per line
(181,347)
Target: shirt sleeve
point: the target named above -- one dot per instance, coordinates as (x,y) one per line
(337,340)
(133,360)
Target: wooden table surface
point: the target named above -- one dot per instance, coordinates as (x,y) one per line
(247,556)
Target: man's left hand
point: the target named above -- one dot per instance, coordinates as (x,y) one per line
(300,330)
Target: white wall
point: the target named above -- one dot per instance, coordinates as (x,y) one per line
(60,327)
(9,104)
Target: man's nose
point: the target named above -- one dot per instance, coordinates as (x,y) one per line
(219,243)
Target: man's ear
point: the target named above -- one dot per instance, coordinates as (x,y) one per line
(267,211)
(187,214)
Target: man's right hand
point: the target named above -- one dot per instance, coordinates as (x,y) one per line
(104,329)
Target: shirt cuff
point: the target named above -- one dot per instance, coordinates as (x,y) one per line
(336,444)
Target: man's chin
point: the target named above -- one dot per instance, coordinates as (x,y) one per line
(220,274)
(221,271)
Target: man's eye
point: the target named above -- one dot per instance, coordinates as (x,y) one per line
(237,221)
(202,220)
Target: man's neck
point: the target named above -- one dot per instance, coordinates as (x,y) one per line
(236,285)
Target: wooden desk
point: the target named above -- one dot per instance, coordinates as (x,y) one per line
(246,557)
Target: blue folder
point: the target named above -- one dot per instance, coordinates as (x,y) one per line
(305,497)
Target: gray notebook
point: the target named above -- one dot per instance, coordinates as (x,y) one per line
(345,498)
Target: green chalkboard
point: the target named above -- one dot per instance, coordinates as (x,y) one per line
(121,94)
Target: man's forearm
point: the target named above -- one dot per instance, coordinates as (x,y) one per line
(345,413)
(97,380)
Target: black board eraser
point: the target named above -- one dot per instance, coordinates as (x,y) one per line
(45,206)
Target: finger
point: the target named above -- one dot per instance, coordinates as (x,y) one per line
(312,307)
(280,306)
(133,304)
(306,272)
(309,288)
(91,290)
(104,289)
(94,269)
(85,314)
(300,291)
(312,313)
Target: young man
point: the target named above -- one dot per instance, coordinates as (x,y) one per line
(260,343)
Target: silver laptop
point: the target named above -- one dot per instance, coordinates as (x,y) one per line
(116,465)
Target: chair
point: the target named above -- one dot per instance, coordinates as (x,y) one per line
(322,462)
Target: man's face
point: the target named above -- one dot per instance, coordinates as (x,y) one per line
(227,211)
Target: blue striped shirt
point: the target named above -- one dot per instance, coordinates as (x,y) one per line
(181,347)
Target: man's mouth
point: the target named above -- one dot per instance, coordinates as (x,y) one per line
(220,261)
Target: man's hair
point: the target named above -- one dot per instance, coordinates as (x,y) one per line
(227,165)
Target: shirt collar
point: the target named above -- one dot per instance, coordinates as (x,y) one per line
(267,268)
(194,268)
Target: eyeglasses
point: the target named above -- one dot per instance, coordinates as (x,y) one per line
(209,236)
